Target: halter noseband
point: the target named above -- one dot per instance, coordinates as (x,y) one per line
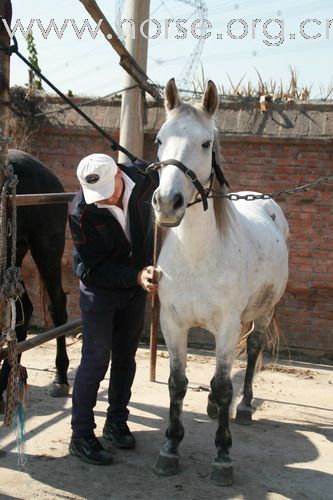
(202,192)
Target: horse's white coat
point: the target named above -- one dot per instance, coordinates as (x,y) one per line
(210,278)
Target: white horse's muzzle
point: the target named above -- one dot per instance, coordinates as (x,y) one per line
(169,208)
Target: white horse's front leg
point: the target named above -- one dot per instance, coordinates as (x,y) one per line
(176,341)
(222,390)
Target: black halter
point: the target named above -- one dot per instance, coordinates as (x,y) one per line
(202,192)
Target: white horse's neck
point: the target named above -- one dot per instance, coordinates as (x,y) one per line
(197,233)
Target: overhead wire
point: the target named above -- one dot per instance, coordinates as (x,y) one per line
(86,103)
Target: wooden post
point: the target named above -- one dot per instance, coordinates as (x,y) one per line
(155,308)
(5,13)
(126,60)
(133,104)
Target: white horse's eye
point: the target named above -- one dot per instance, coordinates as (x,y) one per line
(158,141)
(206,144)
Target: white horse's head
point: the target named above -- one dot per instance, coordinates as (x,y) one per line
(188,137)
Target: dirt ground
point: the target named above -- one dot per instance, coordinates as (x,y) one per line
(286,453)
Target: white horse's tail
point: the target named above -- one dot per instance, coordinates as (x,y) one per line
(271,340)
(272,337)
(245,332)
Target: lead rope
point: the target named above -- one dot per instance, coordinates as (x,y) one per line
(11,288)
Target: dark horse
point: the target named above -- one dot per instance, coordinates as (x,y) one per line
(40,229)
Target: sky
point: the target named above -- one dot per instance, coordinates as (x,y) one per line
(90,67)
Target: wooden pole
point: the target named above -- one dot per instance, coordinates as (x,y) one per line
(133,104)
(5,13)
(126,60)
(42,338)
(155,308)
(24,200)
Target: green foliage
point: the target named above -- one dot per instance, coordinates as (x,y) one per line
(35,82)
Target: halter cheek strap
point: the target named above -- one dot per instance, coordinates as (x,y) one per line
(203,193)
(189,174)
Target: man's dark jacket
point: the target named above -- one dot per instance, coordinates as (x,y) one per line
(103,256)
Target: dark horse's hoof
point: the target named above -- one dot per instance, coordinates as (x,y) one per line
(167,464)
(243,415)
(59,390)
(212,410)
(222,473)
(2,406)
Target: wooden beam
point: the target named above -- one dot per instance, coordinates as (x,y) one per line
(23,200)
(42,338)
(126,60)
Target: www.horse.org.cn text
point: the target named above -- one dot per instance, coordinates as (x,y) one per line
(272,32)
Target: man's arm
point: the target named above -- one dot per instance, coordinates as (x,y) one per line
(95,268)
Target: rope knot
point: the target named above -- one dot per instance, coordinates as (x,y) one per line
(12,283)
(9,334)
(13,182)
(8,170)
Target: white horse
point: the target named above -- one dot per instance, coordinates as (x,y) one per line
(223,265)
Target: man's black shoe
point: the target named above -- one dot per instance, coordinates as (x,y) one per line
(119,434)
(90,450)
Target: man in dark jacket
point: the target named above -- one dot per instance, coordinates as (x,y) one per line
(110,221)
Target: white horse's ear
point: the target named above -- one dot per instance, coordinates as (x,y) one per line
(210,100)
(172,99)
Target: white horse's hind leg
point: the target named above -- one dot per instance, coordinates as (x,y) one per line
(168,460)
(254,347)
(222,390)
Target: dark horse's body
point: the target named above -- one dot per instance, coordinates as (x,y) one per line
(41,229)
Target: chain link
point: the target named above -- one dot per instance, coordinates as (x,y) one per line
(276,194)
(153,167)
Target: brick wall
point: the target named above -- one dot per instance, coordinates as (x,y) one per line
(259,158)
(306,312)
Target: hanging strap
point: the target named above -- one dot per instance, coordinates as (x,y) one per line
(114,144)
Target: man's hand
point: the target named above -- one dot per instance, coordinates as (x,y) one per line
(147,279)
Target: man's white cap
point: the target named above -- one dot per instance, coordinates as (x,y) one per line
(96,174)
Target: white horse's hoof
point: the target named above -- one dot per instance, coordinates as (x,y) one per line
(167,464)
(243,415)
(59,390)
(222,473)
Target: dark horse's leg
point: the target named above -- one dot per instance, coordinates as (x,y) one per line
(47,256)
(168,459)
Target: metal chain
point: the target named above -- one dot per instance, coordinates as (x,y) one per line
(276,194)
